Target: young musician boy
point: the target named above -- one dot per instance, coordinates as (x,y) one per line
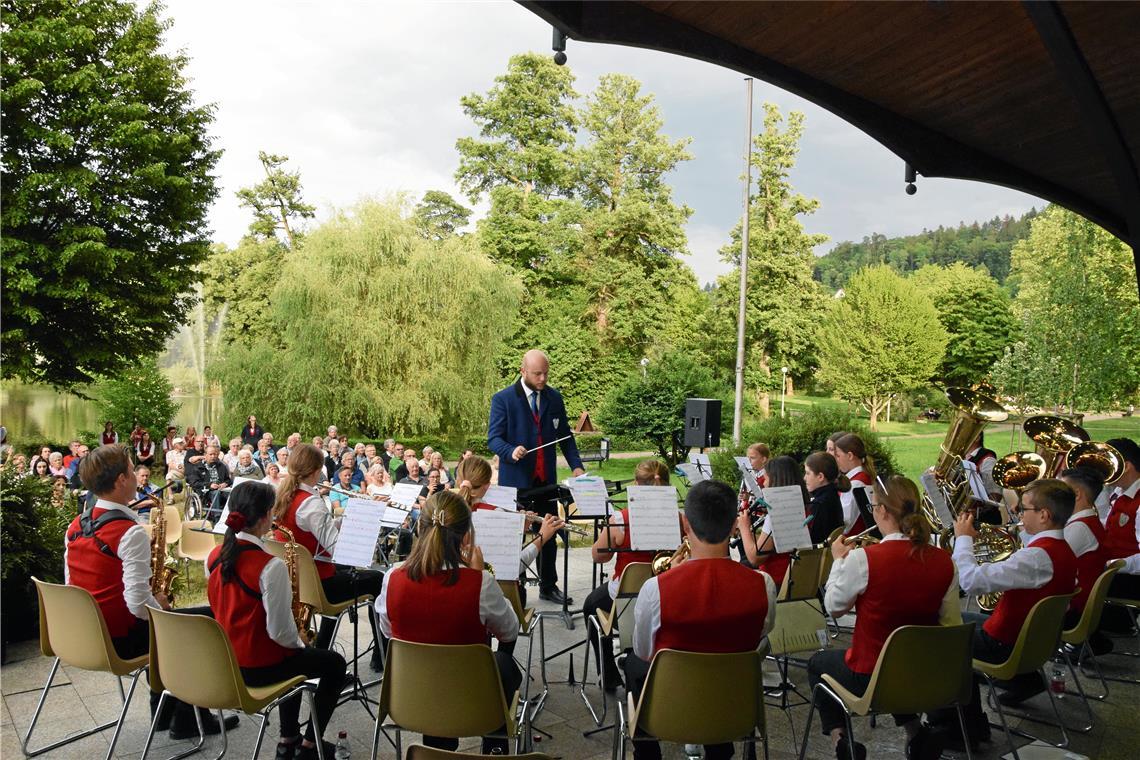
(708,603)
(107,551)
(1045,566)
(1122,535)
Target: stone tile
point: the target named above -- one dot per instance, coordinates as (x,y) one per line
(30,674)
(64,714)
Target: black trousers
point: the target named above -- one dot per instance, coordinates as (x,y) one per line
(340,588)
(137,642)
(511,677)
(1116,619)
(636,670)
(548,555)
(987,649)
(599,599)
(328,667)
(832,663)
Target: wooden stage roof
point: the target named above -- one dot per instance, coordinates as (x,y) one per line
(1043,97)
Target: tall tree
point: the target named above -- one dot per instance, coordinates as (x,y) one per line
(977,316)
(438,215)
(106,181)
(276,200)
(881,338)
(237,284)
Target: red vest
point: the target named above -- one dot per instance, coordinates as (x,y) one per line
(303,537)
(239,610)
(711,605)
(1120,527)
(1090,564)
(888,604)
(93,563)
(428,612)
(108,439)
(858,526)
(1005,624)
(625,558)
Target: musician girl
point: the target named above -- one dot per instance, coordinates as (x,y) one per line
(825,485)
(251,596)
(649,472)
(109,436)
(829,447)
(443,595)
(301,509)
(758,456)
(852,457)
(902,580)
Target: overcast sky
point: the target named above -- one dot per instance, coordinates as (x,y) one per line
(364,99)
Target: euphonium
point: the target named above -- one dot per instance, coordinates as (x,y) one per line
(1055,437)
(666,560)
(1101,457)
(302,613)
(162,575)
(972,412)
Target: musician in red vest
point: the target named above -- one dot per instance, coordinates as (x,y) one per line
(1122,535)
(301,508)
(1085,535)
(853,459)
(868,579)
(708,603)
(650,472)
(443,595)
(984,460)
(1045,566)
(107,551)
(758,455)
(252,599)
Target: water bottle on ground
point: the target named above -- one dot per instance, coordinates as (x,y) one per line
(343,752)
(1057,679)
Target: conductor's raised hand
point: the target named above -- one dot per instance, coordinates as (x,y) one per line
(518,453)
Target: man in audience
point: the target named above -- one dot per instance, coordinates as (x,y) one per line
(175,465)
(209,479)
(332,432)
(197,454)
(319,442)
(73,471)
(291,443)
(413,474)
(264,455)
(143,488)
(387,453)
(73,453)
(402,470)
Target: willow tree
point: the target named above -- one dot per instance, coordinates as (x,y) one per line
(377,330)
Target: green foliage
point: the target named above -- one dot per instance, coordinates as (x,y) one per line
(977,317)
(440,216)
(1079,314)
(652,406)
(31,532)
(142,394)
(883,337)
(239,281)
(987,244)
(276,200)
(106,184)
(425,363)
(799,435)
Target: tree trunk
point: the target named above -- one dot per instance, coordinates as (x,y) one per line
(791,389)
(875,406)
(764,398)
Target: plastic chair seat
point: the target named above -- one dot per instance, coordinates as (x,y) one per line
(860,706)
(194,544)
(255,698)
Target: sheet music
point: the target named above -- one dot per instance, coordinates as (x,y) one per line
(499,535)
(393,515)
(405,494)
(239,480)
(749,476)
(220,526)
(702,463)
(692,473)
(359,533)
(937,498)
(653,518)
(589,495)
(502,496)
(785,521)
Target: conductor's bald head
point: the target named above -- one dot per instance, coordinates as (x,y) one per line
(534,369)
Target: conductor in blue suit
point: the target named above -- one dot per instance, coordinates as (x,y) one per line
(524,416)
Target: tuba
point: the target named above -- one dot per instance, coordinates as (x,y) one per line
(302,613)
(162,574)
(1102,458)
(972,412)
(1055,437)
(666,560)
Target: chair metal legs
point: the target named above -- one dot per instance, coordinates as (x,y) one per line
(594,629)
(154,724)
(117,723)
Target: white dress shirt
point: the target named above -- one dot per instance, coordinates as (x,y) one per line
(647,612)
(847,500)
(315,517)
(1029,567)
(495,612)
(532,392)
(134,553)
(1131,564)
(276,598)
(1078,535)
(851,575)
(986,470)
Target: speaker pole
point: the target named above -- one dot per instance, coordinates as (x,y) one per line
(737,410)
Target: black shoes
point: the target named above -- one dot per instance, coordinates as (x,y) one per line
(612,680)
(926,745)
(843,751)
(184,727)
(554,595)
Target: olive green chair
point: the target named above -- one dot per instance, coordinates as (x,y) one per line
(1078,637)
(73,631)
(445,690)
(193,661)
(685,700)
(1036,643)
(921,668)
(420,752)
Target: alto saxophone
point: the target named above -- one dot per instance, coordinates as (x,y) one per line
(162,574)
(302,613)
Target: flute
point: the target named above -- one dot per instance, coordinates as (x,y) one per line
(537,520)
(848,540)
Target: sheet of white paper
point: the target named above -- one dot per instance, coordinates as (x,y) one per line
(692,473)
(589,496)
(394,514)
(749,475)
(405,494)
(702,463)
(937,498)
(359,532)
(220,525)
(499,535)
(653,518)
(977,485)
(239,480)
(502,496)
(785,521)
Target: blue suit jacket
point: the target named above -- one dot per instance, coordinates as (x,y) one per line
(511,424)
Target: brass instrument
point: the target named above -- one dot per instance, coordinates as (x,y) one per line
(537,520)
(1055,437)
(972,412)
(1101,457)
(162,574)
(663,561)
(302,613)
(861,540)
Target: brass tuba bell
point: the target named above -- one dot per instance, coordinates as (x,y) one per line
(1101,457)
(972,412)
(1055,437)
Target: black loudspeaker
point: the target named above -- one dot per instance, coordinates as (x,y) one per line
(702,422)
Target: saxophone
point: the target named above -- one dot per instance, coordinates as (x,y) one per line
(162,575)
(302,613)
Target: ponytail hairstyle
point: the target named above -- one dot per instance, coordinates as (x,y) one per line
(443,523)
(303,462)
(651,472)
(901,500)
(248,504)
(853,444)
(472,474)
(823,463)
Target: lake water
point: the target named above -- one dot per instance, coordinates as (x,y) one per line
(35,414)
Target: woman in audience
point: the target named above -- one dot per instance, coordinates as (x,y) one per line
(378,482)
(42,469)
(145,449)
(246,467)
(272,474)
(436,463)
(45,452)
(55,465)
(211,439)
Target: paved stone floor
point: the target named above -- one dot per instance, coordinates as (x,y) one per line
(81,698)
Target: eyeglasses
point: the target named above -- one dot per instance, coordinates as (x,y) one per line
(1022,508)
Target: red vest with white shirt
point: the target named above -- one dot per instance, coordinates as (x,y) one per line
(626,557)
(905,586)
(1005,624)
(93,563)
(1090,564)
(1120,525)
(711,605)
(429,612)
(238,607)
(858,475)
(303,537)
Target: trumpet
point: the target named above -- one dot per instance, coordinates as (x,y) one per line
(665,561)
(860,540)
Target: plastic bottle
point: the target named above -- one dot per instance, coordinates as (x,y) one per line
(1057,679)
(343,752)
